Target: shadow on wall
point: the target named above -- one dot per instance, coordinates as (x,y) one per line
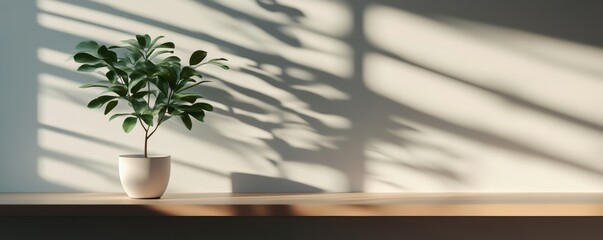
(18,120)
(249,183)
(373,117)
(326,112)
(559,19)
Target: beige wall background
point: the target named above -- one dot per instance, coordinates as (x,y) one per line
(341,95)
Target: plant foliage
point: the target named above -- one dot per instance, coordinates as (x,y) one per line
(146,76)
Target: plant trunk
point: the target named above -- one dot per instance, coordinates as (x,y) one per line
(146,140)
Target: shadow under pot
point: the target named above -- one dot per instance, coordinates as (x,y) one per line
(144,177)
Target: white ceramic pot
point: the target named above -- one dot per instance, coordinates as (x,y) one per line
(144,177)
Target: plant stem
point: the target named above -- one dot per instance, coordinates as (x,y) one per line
(146,140)
(170,95)
(146,59)
(120,78)
(149,94)
(156,127)
(146,129)
(146,136)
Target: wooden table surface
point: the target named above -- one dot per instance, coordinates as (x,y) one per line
(304,204)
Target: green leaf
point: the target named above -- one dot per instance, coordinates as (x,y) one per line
(197,57)
(172,59)
(219,64)
(149,67)
(160,108)
(87,46)
(111,76)
(173,110)
(157,108)
(140,94)
(121,63)
(216,61)
(113,56)
(161,97)
(166,45)
(137,74)
(197,107)
(110,106)
(120,115)
(135,56)
(155,41)
(188,97)
(188,72)
(137,86)
(187,121)
(198,115)
(163,85)
(122,74)
(148,119)
(162,117)
(147,40)
(140,106)
(85,58)
(93,85)
(99,101)
(90,68)
(180,85)
(103,51)
(175,72)
(142,42)
(155,54)
(190,86)
(170,76)
(107,54)
(119,90)
(204,106)
(134,49)
(197,110)
(129,124)
(132,43)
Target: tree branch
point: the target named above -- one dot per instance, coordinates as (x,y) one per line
(141,124)
(170,95)
(152,132)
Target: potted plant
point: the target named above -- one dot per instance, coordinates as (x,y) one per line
(145,75)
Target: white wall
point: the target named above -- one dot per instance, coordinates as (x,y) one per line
(344,95)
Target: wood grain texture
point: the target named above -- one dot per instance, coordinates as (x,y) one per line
(315,204)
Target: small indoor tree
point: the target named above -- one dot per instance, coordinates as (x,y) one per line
(144,74)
